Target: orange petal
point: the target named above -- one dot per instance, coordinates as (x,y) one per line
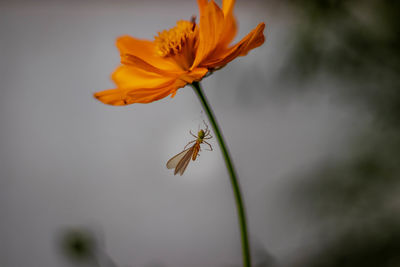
(146,95)
(210,29)
(195,75)
(127,77)
(121,97)
(114,97)
(135,85)
(146,51)
(134,61)
(252,40)
(230,27)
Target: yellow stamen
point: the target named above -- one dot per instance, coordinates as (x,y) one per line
(178,42)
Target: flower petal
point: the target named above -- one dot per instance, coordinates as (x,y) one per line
(146,51)
(146,95)
(195,75)
(114,97)
(210,30)
(134,61)
(252,40)
(135,85)
(127,77)
(121,97)
(230,27)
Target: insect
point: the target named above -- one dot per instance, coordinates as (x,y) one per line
(181,160)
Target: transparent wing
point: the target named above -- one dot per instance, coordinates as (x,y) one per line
(173,162)
(184,162)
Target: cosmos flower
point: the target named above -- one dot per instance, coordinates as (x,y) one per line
(152,70)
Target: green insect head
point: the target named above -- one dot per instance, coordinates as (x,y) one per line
(201,134)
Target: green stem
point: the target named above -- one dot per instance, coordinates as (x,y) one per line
(232,174)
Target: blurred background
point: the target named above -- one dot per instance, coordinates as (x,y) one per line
(311,119)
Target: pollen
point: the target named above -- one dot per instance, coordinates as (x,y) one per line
(174,41)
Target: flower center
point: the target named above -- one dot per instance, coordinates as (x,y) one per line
(178,43)
(172,42)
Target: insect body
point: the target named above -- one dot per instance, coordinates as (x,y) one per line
(181,160)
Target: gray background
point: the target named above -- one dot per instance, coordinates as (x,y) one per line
(67,160)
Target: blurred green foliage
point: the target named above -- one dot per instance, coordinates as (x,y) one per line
(374,245)
(355,41)
(78,245)
(353,201)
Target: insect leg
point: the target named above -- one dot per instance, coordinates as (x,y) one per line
(207,130)
(189,144)
(205,125)
(209,137)
(192,134)
(211,149)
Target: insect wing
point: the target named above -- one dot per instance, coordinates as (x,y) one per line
(184,162)
(175,159)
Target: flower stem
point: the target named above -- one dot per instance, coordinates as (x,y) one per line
(232,174)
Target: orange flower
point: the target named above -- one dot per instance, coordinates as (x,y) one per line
(152,70)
